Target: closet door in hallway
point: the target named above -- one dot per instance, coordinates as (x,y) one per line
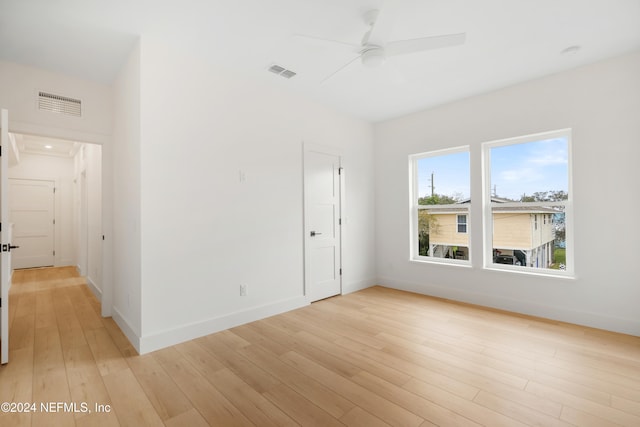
(32,212)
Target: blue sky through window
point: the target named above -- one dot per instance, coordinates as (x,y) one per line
(530,167)
(516,169)
(450,175)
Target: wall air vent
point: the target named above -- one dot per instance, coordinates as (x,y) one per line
(59,104)
(281,71)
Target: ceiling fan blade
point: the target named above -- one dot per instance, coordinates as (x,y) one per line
(425,43)
(327,42)
(340,69)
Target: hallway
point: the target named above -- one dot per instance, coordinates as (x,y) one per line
(61,349)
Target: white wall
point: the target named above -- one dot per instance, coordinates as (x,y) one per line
(59,170)
(125,199)
(204,232)
(19,86)
(95,232)
(88,166)
(601,103)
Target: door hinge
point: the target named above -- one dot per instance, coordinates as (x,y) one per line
(54,190)
(0,302)
(341,271)
(339,221)
(54,221)
(340,171)
(54,253)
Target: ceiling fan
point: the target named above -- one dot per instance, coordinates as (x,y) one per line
(373,53)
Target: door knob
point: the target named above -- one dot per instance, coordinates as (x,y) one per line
(313,233)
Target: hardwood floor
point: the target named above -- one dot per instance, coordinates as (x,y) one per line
(373,358)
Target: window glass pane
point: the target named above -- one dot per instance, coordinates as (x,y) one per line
(535,175)
(532,171)
(516,241)
(443,180)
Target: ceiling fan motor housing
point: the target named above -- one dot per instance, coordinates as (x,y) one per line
(373,56)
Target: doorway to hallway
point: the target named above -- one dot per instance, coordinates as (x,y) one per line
(56,205)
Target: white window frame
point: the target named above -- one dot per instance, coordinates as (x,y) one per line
(466,223)
(487,206)
(414,251)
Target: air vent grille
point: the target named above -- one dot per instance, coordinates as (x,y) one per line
(281,71)
(59,104)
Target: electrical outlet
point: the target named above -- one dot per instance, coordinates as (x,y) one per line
(243,290)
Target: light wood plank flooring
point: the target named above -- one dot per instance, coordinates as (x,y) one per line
(373,358)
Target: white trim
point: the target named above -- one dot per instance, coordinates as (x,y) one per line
(527,204)
(194,330)
(528,138)
(94,289)
(319,148)
(442,261)
(358,286)
(441,152)
(60,133)
(342,226)
(126,328)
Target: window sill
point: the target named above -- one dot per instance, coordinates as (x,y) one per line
(442,261)
(531,271)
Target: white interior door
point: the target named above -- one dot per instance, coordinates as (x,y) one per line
(32,213)
(322,195)
(5,239)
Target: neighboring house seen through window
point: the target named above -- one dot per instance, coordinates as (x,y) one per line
(440,206)
(527,221)
(529,181)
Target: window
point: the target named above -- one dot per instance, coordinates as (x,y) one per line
(462,223)
(528,178)
(440,206)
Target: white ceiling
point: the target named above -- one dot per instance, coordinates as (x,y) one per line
(31,144)
(508,41)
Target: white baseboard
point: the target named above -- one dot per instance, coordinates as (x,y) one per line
(563,314)
(96,291)
(126,328)
(358,286)
(64,262)
(191,331)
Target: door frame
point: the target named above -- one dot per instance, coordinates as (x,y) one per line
(107,196)
(334,151)
(5,233)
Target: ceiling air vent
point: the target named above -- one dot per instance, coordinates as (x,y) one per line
(59,104)
(281,71)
